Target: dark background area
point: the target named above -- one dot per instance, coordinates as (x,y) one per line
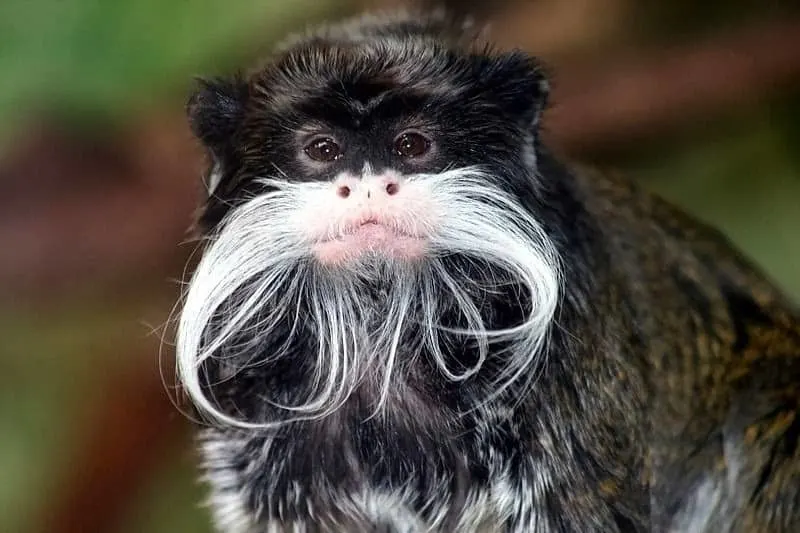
(99,178)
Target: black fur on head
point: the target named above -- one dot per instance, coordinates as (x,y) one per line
(366,77)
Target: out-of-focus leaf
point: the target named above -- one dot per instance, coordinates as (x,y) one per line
(103,57)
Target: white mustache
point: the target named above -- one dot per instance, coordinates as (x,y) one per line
(259,267)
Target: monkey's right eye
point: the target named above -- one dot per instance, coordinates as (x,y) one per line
(324,150)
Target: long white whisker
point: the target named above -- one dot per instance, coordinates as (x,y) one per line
(259,295)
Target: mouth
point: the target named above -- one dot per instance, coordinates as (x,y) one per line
(369,236)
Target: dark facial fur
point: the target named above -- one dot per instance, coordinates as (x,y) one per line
(641,405)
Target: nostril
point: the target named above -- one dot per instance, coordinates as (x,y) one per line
(343,191)
(392,188)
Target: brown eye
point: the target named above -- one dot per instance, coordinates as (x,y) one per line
(411,145)
(324,150)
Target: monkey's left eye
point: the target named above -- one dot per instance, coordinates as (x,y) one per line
(411,144)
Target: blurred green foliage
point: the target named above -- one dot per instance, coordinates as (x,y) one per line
(50,365)
(98,59)
(746,181)
(683,19)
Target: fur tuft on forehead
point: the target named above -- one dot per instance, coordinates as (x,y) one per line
(402,25)
(430,55)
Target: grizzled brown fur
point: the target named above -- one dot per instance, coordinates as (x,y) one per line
(720,348)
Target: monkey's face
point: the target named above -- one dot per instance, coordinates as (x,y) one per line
(369,194)
(359,199)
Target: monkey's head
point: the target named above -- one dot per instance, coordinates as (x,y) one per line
(369,223)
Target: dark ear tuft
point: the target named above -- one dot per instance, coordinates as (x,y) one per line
(215,112)
(518,83)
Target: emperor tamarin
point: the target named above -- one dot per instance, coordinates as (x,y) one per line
(410,317)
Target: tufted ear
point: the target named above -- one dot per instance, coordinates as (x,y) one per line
(518,83)
(215,111)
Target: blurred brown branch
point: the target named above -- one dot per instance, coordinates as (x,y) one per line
(78,210)
(618,100)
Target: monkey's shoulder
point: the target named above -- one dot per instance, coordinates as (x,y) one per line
(708,315)
(723,349)
(683,263)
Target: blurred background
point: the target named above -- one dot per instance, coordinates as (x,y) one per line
(99,178)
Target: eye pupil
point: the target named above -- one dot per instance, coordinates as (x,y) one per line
(411,145)
(325,150)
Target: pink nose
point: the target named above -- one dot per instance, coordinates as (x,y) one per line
(368,188)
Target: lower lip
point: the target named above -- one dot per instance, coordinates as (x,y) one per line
(369,238)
